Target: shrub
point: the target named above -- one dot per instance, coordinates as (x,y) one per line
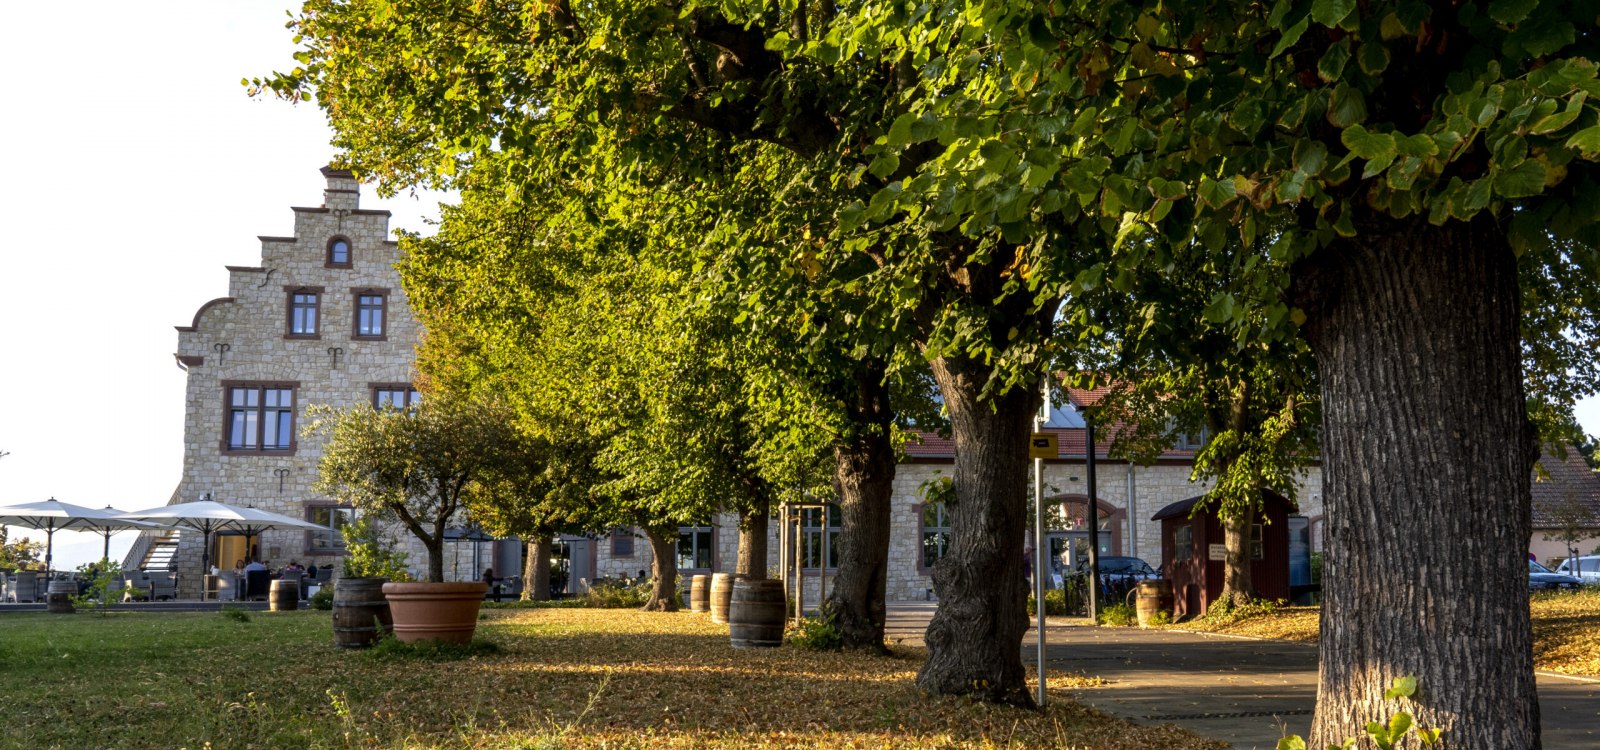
(369,553)
(323,599)
(614,593)
(1120,615)
(237,614)
(1160,618)
(817,634)
(1055,603)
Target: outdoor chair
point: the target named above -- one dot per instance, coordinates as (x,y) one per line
(115,588)
(220,588)
(135,586)
(163,586)
(25,587)
(257,585)
(5,588)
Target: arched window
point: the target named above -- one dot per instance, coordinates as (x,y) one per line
(339,252)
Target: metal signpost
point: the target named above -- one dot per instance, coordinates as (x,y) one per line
(1040,446)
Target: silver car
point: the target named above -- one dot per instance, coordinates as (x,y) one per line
(1585,567)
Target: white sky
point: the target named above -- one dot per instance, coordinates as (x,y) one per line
(136,169)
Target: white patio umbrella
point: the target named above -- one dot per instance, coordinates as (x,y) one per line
(53,515)
(209,517)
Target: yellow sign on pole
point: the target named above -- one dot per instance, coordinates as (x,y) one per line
(1043,445)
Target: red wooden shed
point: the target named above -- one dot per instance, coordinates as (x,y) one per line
(1191,547)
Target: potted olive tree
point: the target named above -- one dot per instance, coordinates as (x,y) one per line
(417,467)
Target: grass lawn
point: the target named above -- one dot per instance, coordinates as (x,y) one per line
(561,678)
(1566,629)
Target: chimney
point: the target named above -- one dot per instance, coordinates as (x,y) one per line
(343,192)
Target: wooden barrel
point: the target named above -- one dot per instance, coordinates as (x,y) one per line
(721,594)
(58,598)
(1154,596)
(755,614)
(360,612)
(283,595)
(699,594)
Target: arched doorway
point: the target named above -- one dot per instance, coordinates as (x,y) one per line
(1068,532)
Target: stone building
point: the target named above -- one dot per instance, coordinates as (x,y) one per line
(1127,495)
(321,320)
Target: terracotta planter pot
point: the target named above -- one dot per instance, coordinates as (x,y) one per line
(435,611)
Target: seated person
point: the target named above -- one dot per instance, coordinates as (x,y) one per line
(254,565)
(238,567)
(293,567)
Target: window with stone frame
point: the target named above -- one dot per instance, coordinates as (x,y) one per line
(260,417)
(395,396)
(814,555)
(334,518)
(305,311)
(339,253)
(621,543)
(696,550)
(935,534)
(371,313)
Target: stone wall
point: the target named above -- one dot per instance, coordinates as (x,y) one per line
(242,338)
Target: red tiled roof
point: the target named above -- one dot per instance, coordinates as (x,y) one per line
(1070,445)
(1570,488)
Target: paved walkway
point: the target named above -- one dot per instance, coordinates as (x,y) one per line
(1245,691)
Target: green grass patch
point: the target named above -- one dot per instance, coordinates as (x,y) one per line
(555,677)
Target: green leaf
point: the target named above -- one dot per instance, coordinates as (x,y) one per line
(1367,144)
(1399,724)
(884,165)
(1429,737)
(1347,107)
(1290,36)
(1292,742)
(1521,181)
(1310,156)
(1403,687)
(1332,64)
(1373,57)
(1475,199)
(1419,145)
(1330,12)
(1216,193)
(1587,141)
(1509,12)
(1554,122)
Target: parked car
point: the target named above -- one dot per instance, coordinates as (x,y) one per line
(1541,578)
(1121,566)
(1586,568)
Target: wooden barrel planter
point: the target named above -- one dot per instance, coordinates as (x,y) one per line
(360,612)
(1154,596)
(755,614)
(699,594)
(283,596)
(721,594)
(58,598)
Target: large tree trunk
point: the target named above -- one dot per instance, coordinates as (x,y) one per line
(1427,455)
(664,567)
(975,638)
(536,569)
(1237,588)
(752,562)
(864,474)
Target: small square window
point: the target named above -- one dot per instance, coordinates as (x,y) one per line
(621,543)
(395,397)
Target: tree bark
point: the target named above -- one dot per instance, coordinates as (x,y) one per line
(975,637)
(1427,456)
(664,568)
(864,467)
(752,562)
(1237,587)
(536,569)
